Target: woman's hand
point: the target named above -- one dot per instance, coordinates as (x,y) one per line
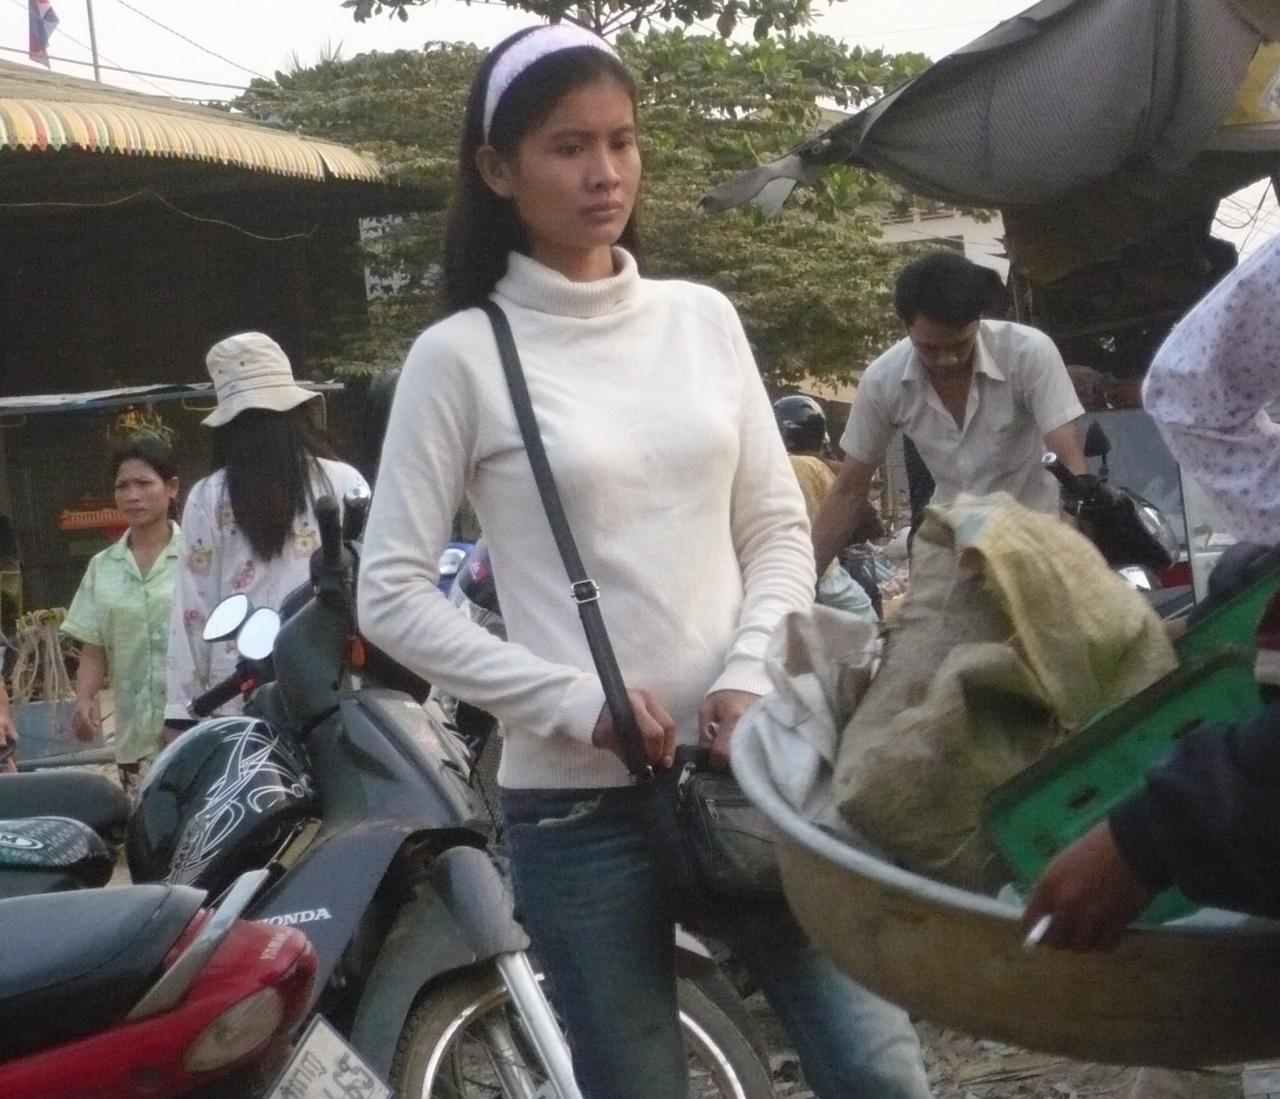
(720,712)
(657,729)
(87,719)
(1089,893)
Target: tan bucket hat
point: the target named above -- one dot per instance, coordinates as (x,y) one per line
(251,370)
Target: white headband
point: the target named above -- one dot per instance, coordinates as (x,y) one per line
(533,47)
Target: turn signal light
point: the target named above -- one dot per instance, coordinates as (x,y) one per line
(237,1032)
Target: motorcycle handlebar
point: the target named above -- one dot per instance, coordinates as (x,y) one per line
(329,523)
(1066,478)
(217,695)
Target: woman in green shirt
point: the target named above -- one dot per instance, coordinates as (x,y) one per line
(120,614)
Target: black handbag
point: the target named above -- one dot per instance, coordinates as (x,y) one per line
(724,844)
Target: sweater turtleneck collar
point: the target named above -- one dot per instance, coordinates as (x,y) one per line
(532,285)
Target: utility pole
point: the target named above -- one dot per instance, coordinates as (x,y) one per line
(93,41)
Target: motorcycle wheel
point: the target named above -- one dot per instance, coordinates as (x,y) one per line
(464,1041)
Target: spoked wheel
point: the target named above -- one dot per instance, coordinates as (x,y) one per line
(465,1041)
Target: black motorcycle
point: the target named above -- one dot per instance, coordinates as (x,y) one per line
(1134,535)
(359,803)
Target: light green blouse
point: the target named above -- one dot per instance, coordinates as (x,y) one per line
(128,616)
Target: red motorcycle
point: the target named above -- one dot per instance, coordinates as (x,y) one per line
(139,992)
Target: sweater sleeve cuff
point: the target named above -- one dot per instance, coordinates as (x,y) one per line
(581,708)
(744,675)
(1132,829)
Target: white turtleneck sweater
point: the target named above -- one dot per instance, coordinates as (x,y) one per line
(675,482)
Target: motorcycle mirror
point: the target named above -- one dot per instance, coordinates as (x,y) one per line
(1096,443)
(227,617)
(355,510)
(257,637)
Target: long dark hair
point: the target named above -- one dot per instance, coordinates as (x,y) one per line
(482,228)
(150,450)
(271,461)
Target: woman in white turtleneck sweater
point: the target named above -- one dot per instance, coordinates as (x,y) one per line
(687,515)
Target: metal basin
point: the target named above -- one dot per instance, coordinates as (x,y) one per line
(1178,997)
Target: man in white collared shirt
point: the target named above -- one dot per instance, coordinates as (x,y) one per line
(981,399)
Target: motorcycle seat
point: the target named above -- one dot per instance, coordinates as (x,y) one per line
(90,798)
(28,882)
(75,963)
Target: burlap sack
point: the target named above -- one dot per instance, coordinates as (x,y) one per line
(1013,632)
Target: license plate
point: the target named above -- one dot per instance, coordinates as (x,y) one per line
(323,1066)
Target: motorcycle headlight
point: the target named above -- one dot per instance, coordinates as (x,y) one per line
(1136,577)
(1160,529)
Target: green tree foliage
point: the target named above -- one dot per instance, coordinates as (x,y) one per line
(608,17)
(812,284)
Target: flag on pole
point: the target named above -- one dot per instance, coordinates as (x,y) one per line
(43,21)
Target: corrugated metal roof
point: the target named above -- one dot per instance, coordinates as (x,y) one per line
(43,111)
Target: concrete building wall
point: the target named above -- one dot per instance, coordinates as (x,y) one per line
(981,241)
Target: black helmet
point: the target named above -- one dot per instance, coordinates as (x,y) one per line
(802,422)
(219,800)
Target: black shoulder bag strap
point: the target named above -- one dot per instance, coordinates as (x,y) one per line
(585,592)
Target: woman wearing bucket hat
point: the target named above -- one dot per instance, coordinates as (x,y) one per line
(250,525)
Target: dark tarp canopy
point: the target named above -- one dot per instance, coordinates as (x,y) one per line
(102,400)
(1090,124)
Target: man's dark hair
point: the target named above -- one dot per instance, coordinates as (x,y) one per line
(942,285)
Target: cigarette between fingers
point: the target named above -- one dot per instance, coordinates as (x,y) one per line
(1038,932)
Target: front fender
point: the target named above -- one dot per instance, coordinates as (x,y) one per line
(462,918)
(693,959)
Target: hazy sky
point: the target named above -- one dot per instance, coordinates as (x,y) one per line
(260,36)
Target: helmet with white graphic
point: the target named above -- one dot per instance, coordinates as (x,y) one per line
(219,800)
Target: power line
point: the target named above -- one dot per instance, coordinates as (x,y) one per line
(132,72)
(69,38)
(1241,208)
(921,30)
(191,41)
(154,195)
(1258,222)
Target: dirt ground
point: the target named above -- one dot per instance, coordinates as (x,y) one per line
(960,1067)
(965,1068)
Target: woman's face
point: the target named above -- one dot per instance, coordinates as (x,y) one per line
(573,179)
(142,495)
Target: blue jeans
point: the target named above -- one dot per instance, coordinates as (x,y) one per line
(592,900)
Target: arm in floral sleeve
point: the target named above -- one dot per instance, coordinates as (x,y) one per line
(1209,388)
(195,594)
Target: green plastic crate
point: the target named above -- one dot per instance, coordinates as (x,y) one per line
(1235,621)
(1036,814)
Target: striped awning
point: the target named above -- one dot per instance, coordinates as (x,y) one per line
(143,130)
